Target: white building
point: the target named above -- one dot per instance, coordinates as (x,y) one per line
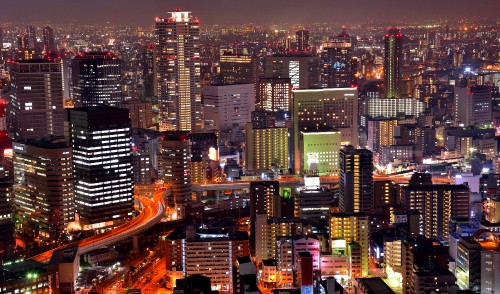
(228,105)
(473,106)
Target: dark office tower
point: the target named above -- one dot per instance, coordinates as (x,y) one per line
(302,40)
(48,40)
(7,240)
(356,180)
(1,37)
(175,161)
(263,197)
(96,79)
(241,69)
(177,72)
(275,95)
(147,71)
(336,63)
(393,62)
(37,99)
(22,42)
(102,161)
(302,68)
(31,34)
(44,187)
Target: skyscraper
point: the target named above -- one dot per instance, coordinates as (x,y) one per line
(241,69)
(473,106)
(356,180)
(96,79)
(175,152)
(302,68)
(177,72)
(147,71)
(31,35)
(37,99)
(393,62)
(336,63)
(275,94)
(1,38)
(48,39)
(102,160)
(302,40)
(44,191)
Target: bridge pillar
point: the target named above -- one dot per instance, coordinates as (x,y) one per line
(135,243)
(217,196)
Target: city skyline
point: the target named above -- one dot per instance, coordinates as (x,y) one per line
(143,12)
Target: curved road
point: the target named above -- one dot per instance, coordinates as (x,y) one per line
(152,212)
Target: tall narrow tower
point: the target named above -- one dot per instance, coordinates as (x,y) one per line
(392,62)
(177,72)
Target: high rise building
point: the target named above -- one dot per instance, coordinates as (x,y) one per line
(302,37)
(7,238)
(393,62)
(275,94)
(148,71)
(336,63)
(394,107)
(238,69)
(175,152)
(348,232)
(1,38)
(324,109)
(177,72)
(267,148)
(102,161)
(320,152)
(356,180)
(96,79)
(437,205)
(141,113)
(37,99)
(228,105)
(204,148)
(473,106)
(48,39)
(31,35)
(269,230)
(302,68)
(22,42)
(44,187)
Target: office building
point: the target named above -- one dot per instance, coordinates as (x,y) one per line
(102,162)
(210,252)
(267,149)
(395,107)
(336,63)
(275,95)
(324,109)
(177,72)
(393,62)
(313,202)
(227,105)
(320,152)
(31,36)
(473,106)
(175,162)
(7,238)
(44,187)
(356,180)
(97,79)
(302,68)
(302,37)
(49,44)
(351,233)
(238,69)
(245,276)
(141,113)
(148,71)
(37,99)
(380,133)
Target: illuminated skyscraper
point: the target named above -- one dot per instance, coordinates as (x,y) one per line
(37,99)
(356,180)
(96,78)
(302,40)
(177,72)
(393,62)
(336,63)
(275,94)
(48,39)
(147,71)
(44,193)
(241,69)
(302,68)
(102,160)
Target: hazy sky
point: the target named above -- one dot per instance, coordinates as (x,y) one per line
(242,11)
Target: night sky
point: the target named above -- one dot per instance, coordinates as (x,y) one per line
(142,12)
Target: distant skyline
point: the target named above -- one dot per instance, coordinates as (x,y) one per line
(143,12)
